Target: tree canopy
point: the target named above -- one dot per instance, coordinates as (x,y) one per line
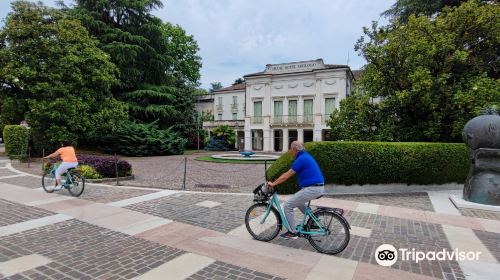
(53,74)
(432,73)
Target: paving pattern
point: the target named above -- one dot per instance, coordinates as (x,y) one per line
(223,218)
(485,214)
(79,248)
(223,271)
(491,240)
(105,194)
(418,201)
(25,181)
(401,233)
(12,213)
(92,251)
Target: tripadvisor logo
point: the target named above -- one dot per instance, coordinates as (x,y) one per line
(387,255)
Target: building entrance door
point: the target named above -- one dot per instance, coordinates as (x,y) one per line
(257,140)
(278,140)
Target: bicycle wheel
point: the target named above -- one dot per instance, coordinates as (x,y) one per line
(262,230)
(76,188)
(48,181)
(337,234)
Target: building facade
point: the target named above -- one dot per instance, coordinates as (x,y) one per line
(283,103)
(292,101)
(228,108)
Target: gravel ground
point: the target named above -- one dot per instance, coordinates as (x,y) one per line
(167,172)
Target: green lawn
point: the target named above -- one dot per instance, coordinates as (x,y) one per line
(210,159)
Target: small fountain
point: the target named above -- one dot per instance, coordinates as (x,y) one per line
(246,156)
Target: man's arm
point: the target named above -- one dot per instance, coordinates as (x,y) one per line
(285,176)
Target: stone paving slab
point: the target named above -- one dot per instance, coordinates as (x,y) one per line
(92,251)
(420,201)
(477,213)
(402,233)
(13,213)
(491,241)
(221,270)
(6,172)
(24,263)
(182,207)
(24,181)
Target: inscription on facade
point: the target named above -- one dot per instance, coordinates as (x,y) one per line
(295,67)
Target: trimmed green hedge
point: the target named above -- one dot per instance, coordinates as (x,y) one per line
(16,140)
(348,163)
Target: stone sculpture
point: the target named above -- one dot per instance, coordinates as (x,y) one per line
(482,135)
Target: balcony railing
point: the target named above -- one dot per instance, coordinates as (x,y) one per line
(218,107)
(234,106)
(292,120)
(257,120)
(212,124)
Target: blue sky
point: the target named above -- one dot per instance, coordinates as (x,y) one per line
(238,37)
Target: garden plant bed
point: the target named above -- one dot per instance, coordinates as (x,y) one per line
(211,159)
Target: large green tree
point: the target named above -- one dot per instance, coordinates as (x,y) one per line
(433,73)
(158,62)
(53,74)
(402,9)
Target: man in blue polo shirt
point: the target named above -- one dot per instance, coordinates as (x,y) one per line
(311,184)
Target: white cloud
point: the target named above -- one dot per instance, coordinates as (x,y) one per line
(238,37)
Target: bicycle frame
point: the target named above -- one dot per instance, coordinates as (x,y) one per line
(300,227)
(69,179)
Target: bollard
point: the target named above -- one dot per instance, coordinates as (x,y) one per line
(265,169)
(43,160)
(116,171)
(29,157)
(184,180)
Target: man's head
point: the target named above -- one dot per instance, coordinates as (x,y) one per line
(296,147)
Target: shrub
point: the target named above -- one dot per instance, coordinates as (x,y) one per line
(89,172)
(218,144)
(135,139)
(105,165)
(362,163)
(223,139)
(16,140)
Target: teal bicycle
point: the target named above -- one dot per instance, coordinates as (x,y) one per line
(74,181)
(326,228)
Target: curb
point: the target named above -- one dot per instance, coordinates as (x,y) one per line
(105,180)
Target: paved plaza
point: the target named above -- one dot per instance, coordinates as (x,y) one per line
(123,232)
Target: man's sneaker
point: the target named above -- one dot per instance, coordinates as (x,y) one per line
(289,235)
(56,188)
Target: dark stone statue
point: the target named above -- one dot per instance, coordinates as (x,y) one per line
(482,135)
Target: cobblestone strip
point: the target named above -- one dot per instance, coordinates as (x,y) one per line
(31,224)
(401,233)
(12,213)
(477,213)
(221,270)
(419,201)
(182,207)
(22,264)
(87,252)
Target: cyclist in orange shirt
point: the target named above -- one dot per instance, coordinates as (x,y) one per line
(69,160)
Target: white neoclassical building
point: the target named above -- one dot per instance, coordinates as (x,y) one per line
(229,109)
(283,103)
(292,101)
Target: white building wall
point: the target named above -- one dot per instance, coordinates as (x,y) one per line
(227,101)
(316,85)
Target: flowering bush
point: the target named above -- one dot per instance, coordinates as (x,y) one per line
(104,165)
(89,172)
